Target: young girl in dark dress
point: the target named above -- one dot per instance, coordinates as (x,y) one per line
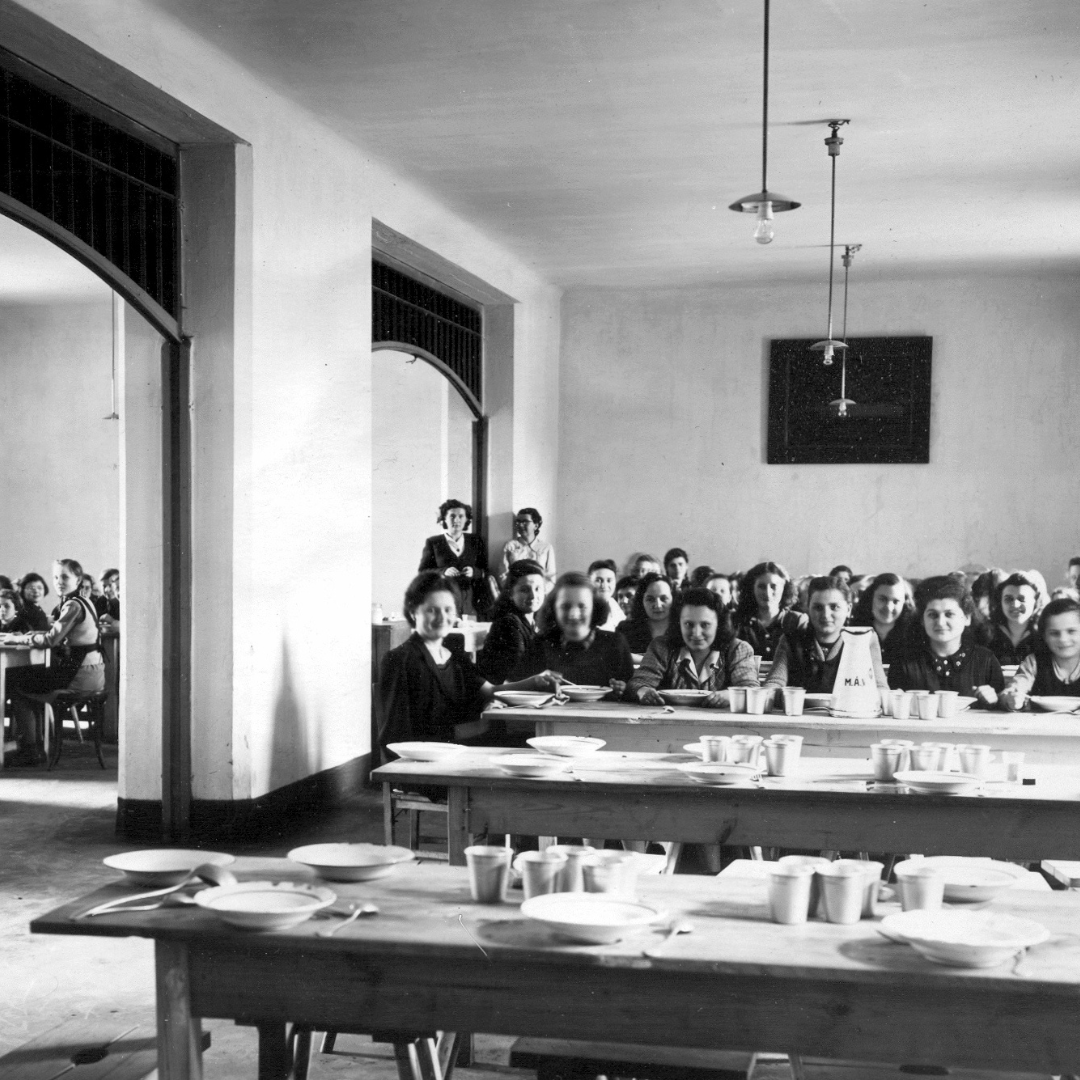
(426,691)
(12,619)
(650,613)
(946,658)
(1053,668)
(513,620)
(1014,618)
(33,589)
(763,614)
(886,604)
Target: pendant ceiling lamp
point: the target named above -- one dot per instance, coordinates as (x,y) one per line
(764,203)
(841,403)
(830,346)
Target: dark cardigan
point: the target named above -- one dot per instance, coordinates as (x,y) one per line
(916,672)
(438,556)
(607,657)
(507,642)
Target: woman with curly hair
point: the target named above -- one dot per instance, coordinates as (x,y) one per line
(458,555)
(1014,617)
(887,605)
(513,623)
(650,613)
(698,651)
(764,614)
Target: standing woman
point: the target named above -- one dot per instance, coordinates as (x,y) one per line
(77,663)
(457,554)
(33,590)
(527,545)
(650,614)
(764,614)
(1014,618)
(513,623)
(886,604)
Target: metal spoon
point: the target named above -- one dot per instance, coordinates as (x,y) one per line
(678,926)
(359,909)
(208,872)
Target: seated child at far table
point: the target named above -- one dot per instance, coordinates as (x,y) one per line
(13,619)
(1053,668)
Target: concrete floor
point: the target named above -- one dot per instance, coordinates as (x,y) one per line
(56,828)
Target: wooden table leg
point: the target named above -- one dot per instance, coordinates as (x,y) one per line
(408,1061)
(275,1059)
(387,815)
(179,1033)
(457,826)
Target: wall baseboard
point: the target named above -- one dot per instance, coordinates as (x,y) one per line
(216,820)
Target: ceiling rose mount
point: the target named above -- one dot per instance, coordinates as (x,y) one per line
(764,203)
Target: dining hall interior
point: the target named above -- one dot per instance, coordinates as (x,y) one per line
(226,410)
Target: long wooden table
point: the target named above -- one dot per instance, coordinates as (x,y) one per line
(831,803)
(15,656)
(1045,738)
(433,960)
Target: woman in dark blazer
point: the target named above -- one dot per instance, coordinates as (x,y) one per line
(457,554)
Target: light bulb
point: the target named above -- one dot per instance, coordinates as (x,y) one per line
(827,358)
(763,232)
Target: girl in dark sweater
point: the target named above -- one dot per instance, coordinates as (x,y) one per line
(513,620)
(1053,668)
(886,604)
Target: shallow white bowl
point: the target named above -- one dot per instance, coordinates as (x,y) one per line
(972,881)
(265,905)
(530,765)
(585,693)
(570,746)
(351,862)
(424,751)
(1056,704)
(522,697)
(928,782)
(164,866)
(591,918)
(720,773)
(973,939)
(684,697)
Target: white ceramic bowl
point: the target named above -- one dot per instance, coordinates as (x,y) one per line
(585,693)
(265,905)
(164,866)
(530,765)
(928,782)
(570,746)
(522,697)
(720,773)
(975,880)
(1056,704)
(684,697)
(590,918)
(424,751)
(351,862)
(973,939)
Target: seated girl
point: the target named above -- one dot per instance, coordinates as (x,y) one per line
(942,657)
(513,623)
(12,619)
(604,576)
(77,663)
(1053,668)
(33,589)
(764,614)
(570,645)
(1014,618)
(650,613)
(625,588)
(809,655)
(886,604)
(698,652)
(426,691)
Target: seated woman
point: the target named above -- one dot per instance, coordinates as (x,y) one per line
(513,623)
(643,564)
(887,605)
(722,585)
(33,590)
(676,565)
(698,652)
(570,645)
(810,654)
(942,657)
(1053,668)
(763,614)
(76,664)
(603,576)
(426,691)
(625,588)
(1014,618)
(457,554)
(13,619)
(649,614)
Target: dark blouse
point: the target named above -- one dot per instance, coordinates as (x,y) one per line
(763,639)
(438,556)
(419,699)
(594,662)
(1047,683)
(972,666)
(638,634)
(39,621)
(507,641)
(19,625)
(1001,645)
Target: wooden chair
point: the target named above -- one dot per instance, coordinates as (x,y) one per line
(77,709)
(396,803)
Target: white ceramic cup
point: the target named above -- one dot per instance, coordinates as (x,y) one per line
(489,872)
(571,878)
(1013,761)
(540,871)
(905,751)
(886,761)
(789,892)
(900,704)
(975,759)
(919,885)
(746,748)
(927,705)
(843,891)
(613,872)
(715,747)
(794,700)
(948,703)
(756,697)
(813,862)
(872,884)
(737,698)
(781,756)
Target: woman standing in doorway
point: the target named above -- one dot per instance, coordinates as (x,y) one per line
(457,554)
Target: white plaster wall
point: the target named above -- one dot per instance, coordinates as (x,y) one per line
(663,430)
(59,469)
(297,413)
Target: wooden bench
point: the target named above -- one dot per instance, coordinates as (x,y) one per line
(87,1049)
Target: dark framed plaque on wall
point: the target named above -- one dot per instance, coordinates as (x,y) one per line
(888,417)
